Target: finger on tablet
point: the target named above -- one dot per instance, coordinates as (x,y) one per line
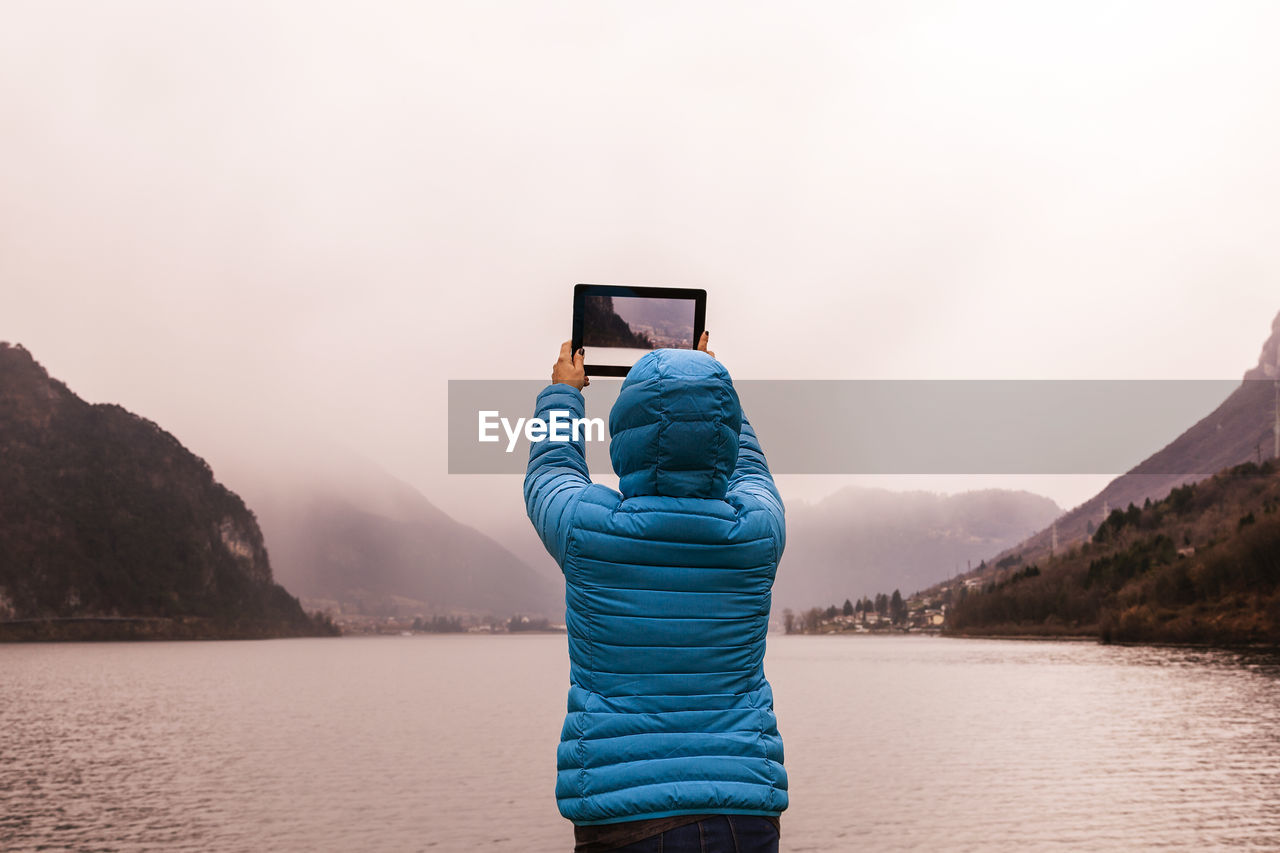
(579,356)
(565,349)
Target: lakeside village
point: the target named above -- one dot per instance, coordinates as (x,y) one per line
(921,613)
(402,619)
(879,615)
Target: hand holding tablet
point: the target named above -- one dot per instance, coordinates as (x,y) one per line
(617,325)
(568,368)
(704,341)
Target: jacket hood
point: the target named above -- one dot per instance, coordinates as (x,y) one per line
(674,427)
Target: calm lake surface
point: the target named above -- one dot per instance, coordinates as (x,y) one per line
(448,743)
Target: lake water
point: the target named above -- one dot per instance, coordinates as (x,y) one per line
(448,743)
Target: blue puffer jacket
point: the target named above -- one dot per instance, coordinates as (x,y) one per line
(667,598)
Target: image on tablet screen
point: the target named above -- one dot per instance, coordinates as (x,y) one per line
(637,323)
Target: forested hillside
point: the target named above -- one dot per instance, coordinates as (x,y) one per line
(1201,565)
(110,528)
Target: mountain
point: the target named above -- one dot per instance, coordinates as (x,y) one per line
(862,541)
(604,328)
(1229,435)
(1201,565)
(110,528)
(343,530)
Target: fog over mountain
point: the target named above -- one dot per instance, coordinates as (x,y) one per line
(111,529)
(104,514)
(342,530)
(311,222)
(215,214)
(861,541)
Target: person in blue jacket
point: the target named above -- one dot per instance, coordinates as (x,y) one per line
(670,741)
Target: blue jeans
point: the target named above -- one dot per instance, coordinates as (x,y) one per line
(716,834)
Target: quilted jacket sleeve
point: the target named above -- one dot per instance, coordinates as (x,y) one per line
(557,471)
(751,477)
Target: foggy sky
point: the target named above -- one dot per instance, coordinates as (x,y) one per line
(244,219)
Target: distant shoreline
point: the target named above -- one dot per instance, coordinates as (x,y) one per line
(1070,638)
(1155,644)
(1078,638)
(88,629)
(1074,638)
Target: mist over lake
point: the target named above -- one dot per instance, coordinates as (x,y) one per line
(448,742)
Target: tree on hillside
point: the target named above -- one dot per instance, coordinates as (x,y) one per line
(897,608)
(848,607)
(867,609)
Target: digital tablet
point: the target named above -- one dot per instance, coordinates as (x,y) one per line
(618,324)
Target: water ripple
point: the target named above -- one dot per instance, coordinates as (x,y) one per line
(448,743)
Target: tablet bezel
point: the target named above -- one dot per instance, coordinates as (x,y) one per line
(580,291)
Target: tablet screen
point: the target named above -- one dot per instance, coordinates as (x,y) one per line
(617,325)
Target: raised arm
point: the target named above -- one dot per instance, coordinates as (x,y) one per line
(557,471)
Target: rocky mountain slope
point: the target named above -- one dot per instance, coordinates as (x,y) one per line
(1232,434)
(110,528)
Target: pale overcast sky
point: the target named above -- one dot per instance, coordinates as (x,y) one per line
(238,216)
